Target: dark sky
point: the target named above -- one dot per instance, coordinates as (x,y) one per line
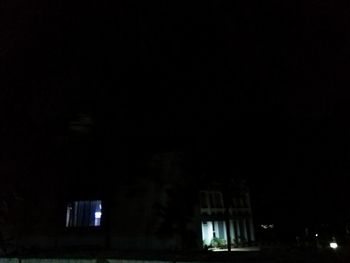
(260,87)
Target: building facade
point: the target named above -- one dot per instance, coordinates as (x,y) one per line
(226,217)
(99,194)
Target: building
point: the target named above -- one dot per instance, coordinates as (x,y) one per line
(226,215)
(86,196)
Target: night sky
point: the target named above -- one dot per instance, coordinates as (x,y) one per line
(257,89)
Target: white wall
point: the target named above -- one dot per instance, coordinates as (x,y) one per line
(207,232)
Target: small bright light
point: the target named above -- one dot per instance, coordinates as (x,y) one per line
(316,235)
(333,245)
(98,214)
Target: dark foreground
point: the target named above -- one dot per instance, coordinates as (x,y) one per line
(271,255)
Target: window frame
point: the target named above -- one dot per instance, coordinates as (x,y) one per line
(80,214)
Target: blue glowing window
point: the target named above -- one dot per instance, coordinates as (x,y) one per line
(84,214)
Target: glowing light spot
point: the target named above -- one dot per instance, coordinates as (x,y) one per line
(333,245)
(98,214)
(267,226)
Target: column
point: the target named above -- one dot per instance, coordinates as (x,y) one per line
(224,228)
(204,232)
(245,230)
(248,230)
(251,228)
(216,228)
(232,230)
(209,232)
(238,230)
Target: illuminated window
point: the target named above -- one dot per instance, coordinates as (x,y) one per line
(84,214)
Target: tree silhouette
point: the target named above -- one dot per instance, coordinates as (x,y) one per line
(175,208)
(10,222)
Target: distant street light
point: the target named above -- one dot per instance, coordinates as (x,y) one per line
(333,245)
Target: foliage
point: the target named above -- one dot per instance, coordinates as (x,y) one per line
(218,242)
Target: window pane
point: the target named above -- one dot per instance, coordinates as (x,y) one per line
(84,213)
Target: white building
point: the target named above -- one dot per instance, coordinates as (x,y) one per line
(223,216)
